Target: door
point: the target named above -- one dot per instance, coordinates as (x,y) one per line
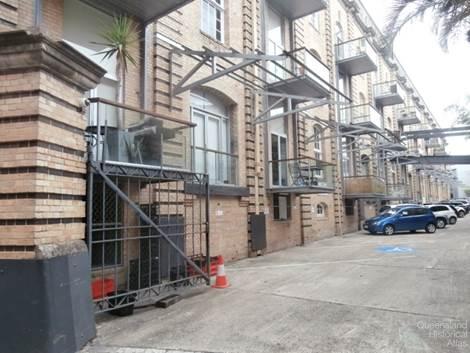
(275,44)
(407,220)
(279,159)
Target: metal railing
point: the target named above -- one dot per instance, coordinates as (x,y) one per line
(388,88)
(222,167)
(364,185)
(355,48)
(398,191)
(409,113)
(301,173)
(299,62)
(124,134)
(361,114)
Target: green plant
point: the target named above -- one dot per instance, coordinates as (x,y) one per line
(467,192)
(462,112)
(451,17)
(121,41)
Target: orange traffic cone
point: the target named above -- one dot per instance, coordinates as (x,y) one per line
(221,280)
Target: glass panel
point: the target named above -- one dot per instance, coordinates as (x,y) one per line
(283,154)
(139,138)
(275,158)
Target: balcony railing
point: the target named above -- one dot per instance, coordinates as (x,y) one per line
(389,93)
(126,135)
(356,56)
(302,175)
(364,186)
(221,167)
(399,191)
(363,114)
(300,74)
(294,9)
(409,116)
(434,143)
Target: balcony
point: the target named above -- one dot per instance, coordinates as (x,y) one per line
(123,135)
(409,116)
(368,186)
(399,192)
(301,74)
(362,115)
(356,57)
(389,93)
(301,176)
(434,143)
(144,10)
(294,9)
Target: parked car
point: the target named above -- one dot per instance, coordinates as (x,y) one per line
(388,207)
(444,215)
(399,219)
(459,208)
(464,203)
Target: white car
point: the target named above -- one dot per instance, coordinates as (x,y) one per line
(444,215)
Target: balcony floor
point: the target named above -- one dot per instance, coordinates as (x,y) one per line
(409,120)
(389,99)
(299,190)
(300,86)
(357,65)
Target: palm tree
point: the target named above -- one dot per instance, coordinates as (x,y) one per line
(121,41)
(451,17)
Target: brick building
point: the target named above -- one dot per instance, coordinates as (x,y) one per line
(246,127)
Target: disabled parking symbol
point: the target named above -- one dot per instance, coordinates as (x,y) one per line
(394,249)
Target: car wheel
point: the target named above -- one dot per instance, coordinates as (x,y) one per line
(389,230)
(430,228)
(441,223)
(452,220)
(461,214)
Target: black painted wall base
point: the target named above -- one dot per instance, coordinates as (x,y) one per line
(45,304)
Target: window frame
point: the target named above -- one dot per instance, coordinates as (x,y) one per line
(322,207)
(218,6)
(226,123)
(277,206)
(282,167)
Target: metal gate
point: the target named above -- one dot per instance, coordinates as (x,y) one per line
(147,234)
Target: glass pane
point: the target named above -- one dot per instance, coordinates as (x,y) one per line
(199,129)
(213,135)
(283,153)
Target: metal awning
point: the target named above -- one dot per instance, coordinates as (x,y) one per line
(144,10)
(397,147)
(294,9)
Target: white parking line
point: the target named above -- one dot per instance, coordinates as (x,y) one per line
(314,263)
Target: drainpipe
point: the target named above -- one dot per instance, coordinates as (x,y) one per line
(143,65)
(37,14)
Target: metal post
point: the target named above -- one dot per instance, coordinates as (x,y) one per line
(208,256)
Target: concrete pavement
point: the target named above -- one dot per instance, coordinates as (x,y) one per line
(339,295)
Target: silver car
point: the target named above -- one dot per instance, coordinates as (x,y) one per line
(444,215)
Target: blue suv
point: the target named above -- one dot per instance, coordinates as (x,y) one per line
(400,219)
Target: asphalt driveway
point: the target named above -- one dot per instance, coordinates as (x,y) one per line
(351,294)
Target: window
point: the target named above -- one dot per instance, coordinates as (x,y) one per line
(315,21)
(347,156)
(349,207)
(321,210)
(212,19)
(211,138)
(281,207)
(365,165)
(317,142)
(279,153)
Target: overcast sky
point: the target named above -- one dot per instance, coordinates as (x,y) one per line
(442,78)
